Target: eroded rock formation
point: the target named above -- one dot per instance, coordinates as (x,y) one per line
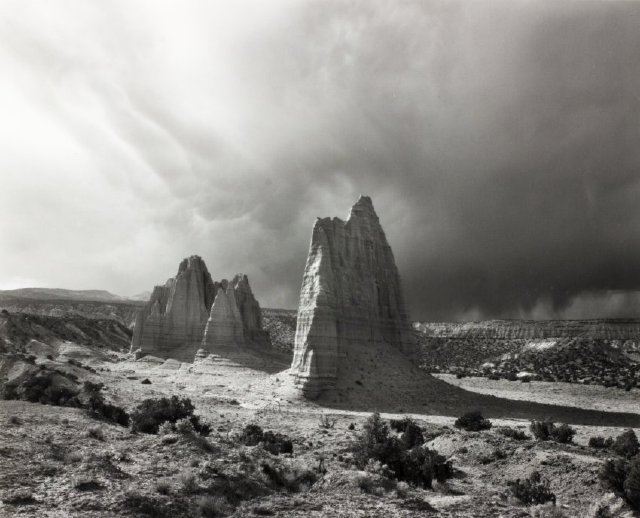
(191,311)
(350,298)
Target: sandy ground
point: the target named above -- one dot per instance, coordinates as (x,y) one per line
(595,397)
(47,450)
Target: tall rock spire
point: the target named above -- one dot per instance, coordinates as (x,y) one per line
(181,316)
(350,298)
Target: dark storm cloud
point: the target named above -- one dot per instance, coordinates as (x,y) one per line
(499,141)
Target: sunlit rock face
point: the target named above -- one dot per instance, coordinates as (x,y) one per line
(192,311)
(350,298)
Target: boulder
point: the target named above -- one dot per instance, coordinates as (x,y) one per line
(350,298)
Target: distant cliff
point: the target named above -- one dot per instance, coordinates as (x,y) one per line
(605,352)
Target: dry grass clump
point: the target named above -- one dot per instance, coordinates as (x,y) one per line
(327,422)
(533,490)
(188,482)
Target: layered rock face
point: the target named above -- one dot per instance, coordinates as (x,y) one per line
(350,298)
(192,311)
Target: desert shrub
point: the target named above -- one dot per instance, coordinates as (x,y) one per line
(563,434)
(99,407)
(547,430)
(251,435)
(293,478)
(533,490)
(412,435)
(151,413)
(541,430)
(472,422)
(613,474)
(200,427)
(400,425)
(420,466)
(188,482)
(274,443)
(96,433)
(166,428)
(626,444)
(416,465)
(44,388)
(326,421)
(632,484)
(513,433)
(597,442)
(184,427)
(211,507)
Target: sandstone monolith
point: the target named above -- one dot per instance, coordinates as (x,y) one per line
(350,298)
(191,311)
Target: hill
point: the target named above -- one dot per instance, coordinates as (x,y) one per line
(605,352)
(60,294)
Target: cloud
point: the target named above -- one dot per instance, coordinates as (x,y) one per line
(497,139)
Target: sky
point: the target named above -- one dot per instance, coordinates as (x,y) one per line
(498,139)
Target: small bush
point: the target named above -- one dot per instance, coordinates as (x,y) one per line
(416,465)
(632,484)
(534,490)
(563,434)
(98,406)
(513,433)
(292,478)
(547,430)
(600,442)
(211,507)
(541,430)
(188,482)
(613,474)
(96,433)
(626,444)
(400,425)
(151,413)
(166,428)
(274,443)
(412,435)
(163,487)
(184,427)
(473,422)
